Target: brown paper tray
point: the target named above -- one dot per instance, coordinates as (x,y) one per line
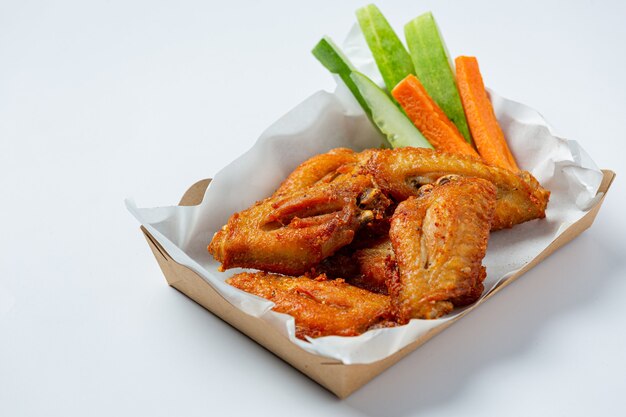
(341,379)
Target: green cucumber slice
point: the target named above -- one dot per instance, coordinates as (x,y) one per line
(392,59)
(386,115)
(336,62)
(434,68)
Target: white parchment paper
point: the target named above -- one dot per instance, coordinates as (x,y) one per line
(329,120)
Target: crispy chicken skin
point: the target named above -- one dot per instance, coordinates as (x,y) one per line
(320,307)
(290,235)
(400,173)
(300,225)
(439,239)
(316,169)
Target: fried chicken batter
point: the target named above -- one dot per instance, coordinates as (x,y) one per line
(439,239)
(320,307)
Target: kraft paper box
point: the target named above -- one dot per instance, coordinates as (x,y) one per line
(178,235)
(337,377)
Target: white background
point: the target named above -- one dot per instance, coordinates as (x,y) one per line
(100,101)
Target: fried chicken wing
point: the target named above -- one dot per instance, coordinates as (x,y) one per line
(403,233)
(292,231)
(320,307)
(400,173)
(439,239)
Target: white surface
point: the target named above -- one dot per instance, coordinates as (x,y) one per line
(87,324)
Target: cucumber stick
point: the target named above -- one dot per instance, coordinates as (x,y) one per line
(434,69)
(386,115)
(336,62)
(381,110)
(392,59)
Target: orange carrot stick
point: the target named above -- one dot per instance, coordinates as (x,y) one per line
(429,119)
(483,124)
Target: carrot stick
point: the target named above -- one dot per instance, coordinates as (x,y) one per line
(483,124)
(428,117)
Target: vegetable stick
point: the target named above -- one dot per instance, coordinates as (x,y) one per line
(381,110)
(333,58)
(428,117)
(387,116)
(486,131)
(392,59)
(433,68)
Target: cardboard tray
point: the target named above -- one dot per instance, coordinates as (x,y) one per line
(337,377)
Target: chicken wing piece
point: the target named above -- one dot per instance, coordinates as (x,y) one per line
(315,169)
(400,172)
(291,232)
(320,307)
(365,267)
(439,239)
